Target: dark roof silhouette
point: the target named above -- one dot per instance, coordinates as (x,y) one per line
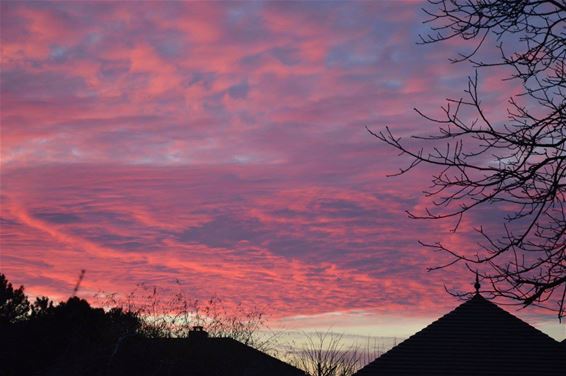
(477,338)
(195,357)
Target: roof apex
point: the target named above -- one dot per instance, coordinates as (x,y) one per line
(475,338)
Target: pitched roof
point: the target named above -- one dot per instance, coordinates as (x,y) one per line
(206,356)
(477,338)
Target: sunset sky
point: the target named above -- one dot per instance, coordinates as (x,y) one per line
(221,149)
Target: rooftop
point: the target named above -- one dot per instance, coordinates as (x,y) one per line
(196,357)
(476,338)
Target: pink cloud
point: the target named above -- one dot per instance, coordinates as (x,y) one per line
(192,230)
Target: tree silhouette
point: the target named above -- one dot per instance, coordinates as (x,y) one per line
(69,338)
(165,314)
(516,167)
(72,337)
(326,354)
(14,304)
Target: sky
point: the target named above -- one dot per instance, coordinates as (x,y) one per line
(220,148)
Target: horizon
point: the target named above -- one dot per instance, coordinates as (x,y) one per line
(221,149)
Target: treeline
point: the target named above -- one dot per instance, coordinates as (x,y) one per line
(69,338)
(75,338)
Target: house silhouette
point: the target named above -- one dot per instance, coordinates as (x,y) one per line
(197,355)
(478,338)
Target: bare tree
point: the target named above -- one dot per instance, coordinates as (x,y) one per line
(244,324)
(326,354)
(514,167)
(166,314)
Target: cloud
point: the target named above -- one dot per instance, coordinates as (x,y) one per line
(239,91)
(221,229)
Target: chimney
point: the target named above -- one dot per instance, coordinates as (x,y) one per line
(197,333)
